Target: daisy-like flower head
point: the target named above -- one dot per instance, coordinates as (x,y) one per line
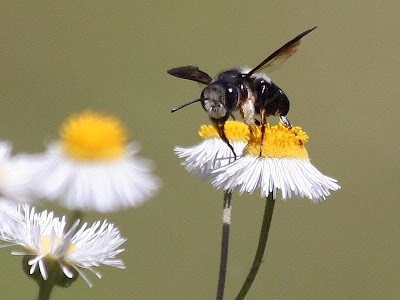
(9,214)
(50,250)
(282,165)
(93,167)
(15,174)
(213,153)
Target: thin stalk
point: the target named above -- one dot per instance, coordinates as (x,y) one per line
(258,259)
(226,224)
(45,289)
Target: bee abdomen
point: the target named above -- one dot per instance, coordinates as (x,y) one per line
(270,98)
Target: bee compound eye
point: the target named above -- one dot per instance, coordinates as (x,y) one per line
(231,97)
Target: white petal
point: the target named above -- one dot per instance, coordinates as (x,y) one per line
(296,176)
(80,248)
(103,186)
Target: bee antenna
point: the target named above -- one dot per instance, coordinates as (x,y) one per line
(186,104)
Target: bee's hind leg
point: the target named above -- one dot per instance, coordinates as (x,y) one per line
(285,121)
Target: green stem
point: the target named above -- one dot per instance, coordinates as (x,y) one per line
(226,224)
(45,289)
(258,259)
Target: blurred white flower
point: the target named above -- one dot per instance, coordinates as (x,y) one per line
(93,168)
(213,153)
(46,244)
(9,214)
(281,164)
(15,174)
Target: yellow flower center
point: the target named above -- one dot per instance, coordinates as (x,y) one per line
(234,131)
(92,136)
(279,142)
(45,246)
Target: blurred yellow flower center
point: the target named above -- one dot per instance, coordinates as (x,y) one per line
(92,136)
(279,142)
(46,246)
(234,131)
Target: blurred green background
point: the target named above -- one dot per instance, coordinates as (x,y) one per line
(58,58)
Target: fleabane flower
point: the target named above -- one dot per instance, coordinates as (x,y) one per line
(93,167)
(50,250)
(9,214)
(282,163)
(15,174)
(213,153)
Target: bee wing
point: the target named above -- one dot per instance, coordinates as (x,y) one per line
(191,73)
(280,55)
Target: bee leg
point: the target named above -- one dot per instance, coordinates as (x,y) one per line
(286,122)
(263,114)
(220,126)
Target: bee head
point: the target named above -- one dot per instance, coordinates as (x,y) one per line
(220,99)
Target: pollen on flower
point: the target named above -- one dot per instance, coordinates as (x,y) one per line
(234,131)
(47,245)
(279,142)
(93,136)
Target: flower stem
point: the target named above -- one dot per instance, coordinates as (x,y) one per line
(45,289)
(226,224)
(269,209)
